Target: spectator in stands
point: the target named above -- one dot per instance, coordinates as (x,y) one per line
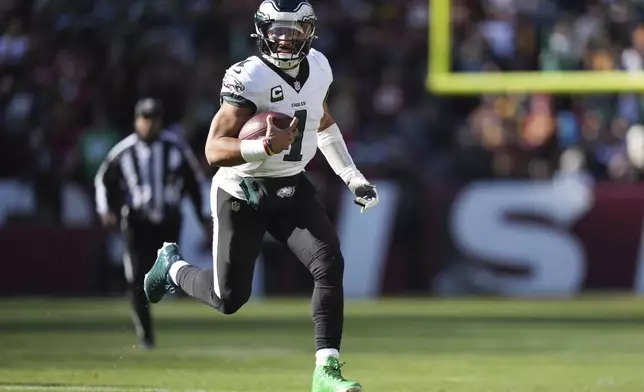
(76,56)
(14,44)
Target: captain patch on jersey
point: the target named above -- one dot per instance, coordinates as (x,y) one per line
(259,85)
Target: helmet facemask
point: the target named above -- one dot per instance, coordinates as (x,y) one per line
(285,43)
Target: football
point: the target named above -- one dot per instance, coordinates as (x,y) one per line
(256,126)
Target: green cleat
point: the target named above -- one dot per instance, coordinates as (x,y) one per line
(328,378)
(157,281)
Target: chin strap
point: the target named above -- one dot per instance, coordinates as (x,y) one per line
(278,63)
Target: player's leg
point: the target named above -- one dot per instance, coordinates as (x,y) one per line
(238,232)
(310,235)
(138,257)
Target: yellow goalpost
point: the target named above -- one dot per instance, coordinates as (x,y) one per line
(441,81)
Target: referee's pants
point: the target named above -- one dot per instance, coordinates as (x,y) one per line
(142,240)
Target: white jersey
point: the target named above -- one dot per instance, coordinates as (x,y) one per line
(258,84)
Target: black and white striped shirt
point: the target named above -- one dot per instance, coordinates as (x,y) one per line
(148,178)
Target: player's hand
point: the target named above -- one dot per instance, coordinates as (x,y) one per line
(280,139)
(366,195)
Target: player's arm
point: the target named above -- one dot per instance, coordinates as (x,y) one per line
(109,198)
(238,95)
(222,147)
(334,149)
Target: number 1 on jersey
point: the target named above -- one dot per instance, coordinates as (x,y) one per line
(295,155)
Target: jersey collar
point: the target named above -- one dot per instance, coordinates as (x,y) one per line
(301,77)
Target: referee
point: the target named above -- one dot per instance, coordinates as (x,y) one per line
(142,181)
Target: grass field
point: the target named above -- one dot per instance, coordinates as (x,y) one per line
(394,345)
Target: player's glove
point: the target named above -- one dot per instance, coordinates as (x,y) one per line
(366,194)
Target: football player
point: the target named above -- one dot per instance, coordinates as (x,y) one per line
(262,186)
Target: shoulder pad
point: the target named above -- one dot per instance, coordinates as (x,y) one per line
(318,59)
(239,85)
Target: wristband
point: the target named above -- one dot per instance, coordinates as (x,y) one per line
(268,147)
(253,150)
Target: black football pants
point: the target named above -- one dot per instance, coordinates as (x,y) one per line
(142,240)
(297,221)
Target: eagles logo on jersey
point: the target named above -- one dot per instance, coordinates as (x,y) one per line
(288,77)
(232,83)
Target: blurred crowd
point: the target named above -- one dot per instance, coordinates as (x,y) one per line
(71,71)
(539,135)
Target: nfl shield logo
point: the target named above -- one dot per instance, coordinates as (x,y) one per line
(235,206)
(297,86)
